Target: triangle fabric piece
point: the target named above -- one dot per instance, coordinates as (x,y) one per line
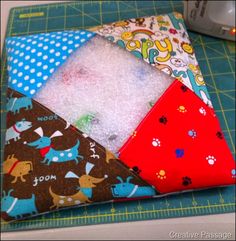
(179,145)
(163,42)
(49,164)
(33,59)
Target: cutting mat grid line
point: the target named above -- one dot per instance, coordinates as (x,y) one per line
(217,65)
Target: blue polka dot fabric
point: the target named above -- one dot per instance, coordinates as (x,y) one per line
(33,59)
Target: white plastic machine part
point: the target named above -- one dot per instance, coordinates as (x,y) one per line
(215,18)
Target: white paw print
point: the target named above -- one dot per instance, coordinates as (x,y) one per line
(211,160)
(156,142)
(202,111)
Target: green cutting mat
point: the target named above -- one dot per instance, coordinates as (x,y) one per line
(217,61)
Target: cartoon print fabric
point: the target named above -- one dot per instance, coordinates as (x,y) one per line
(33,59)
(163,42)
(179,145)
(49,164)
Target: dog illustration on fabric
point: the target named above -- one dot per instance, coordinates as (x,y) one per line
(14,132)
(50,154)
(85,189)
(16,207)
(15,104)
(125,189)
(16,168)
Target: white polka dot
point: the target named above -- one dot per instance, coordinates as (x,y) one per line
(20,64)
(62,154)
(45,77)
(17,52)
(64,57)
(77,202)
(34,42)
(61,201)
(51,71)
(41,38)
(52,51)
(40,45)
(29,40)
(15,61)
(58,45)
(14,71)
(27,67)
(33,50)
(19,85)
(32,61)
(20,74)
(77,37)
(82,40)
(21,54)
(45,67)
(32,71)
(53,35)
(26,88)
(89,35)
(70,42)
(26,77)
(39,74)
(64,48)
(69,199)
(76,45)
(46,40)
(55,158)
(64,39)
(39,64)
(28,48)
(52,42)
(10,59)
(47,34)
(27,57)
(82,33)
(39,85)
(32,81)
(22,46)
(14,81)
(69,155)
(45,57)
(51,60)
(39,54)
(70,51)
(45,47)
(57,63)
(70,35)
(58,54)
(58,37)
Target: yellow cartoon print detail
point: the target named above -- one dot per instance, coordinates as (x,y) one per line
(182,109)
(187,48)
(161,174)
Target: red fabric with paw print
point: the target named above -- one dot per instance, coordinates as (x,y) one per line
(179,145)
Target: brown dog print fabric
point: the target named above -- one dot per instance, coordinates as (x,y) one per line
(49,164)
